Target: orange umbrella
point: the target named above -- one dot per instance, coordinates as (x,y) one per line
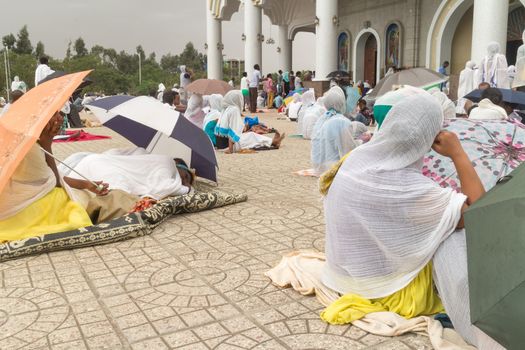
(208,87)
(22,124)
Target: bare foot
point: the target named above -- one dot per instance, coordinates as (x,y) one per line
(277,139)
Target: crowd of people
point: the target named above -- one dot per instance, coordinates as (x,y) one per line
(379,241)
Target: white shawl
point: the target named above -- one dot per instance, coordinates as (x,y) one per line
(143,175)
(230,123)
(311,117)
(194,112)
(384,219)
(487,110)
(31,181)
(308,101)
(493,68)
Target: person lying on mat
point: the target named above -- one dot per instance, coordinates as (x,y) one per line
(36,200)
(135,172)
(230,126)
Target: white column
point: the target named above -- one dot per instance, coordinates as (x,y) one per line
(253,33)
(325,38)
(285,44)
(215,46)
(490,24)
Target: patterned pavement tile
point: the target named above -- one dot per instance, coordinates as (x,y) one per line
(197,282)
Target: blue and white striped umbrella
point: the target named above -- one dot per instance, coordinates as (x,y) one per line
(150,124)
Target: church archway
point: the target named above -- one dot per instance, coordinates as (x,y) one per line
(367,56)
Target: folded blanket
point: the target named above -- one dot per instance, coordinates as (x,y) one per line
(126,227)
(302,271)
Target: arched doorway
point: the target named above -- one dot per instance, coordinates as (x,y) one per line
(366,56)
(370,66)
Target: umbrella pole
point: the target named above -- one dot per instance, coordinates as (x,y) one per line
(98,186)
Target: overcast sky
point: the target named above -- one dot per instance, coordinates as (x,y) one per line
(158,25)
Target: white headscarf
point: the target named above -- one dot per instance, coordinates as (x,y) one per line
(308,100)
(332,134)
(311,117)
(335,99)
(215,102)
(15,85)
(194,111)
(449,109)
(161,88)
(377,236)
(230,123)
(467,81)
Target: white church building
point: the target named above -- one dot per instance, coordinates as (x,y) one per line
(366,37)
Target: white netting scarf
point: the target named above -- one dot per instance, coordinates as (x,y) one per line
(384,219)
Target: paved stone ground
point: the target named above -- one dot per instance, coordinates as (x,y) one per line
(196,283)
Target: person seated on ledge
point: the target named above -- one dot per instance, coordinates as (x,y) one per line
(36,200)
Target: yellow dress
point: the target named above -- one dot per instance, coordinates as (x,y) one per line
(55,212)
(417,298)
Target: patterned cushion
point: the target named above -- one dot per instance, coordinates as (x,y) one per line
(129,226)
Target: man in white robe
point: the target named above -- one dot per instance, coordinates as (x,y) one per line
(467,83)
(43,70)
(493,68)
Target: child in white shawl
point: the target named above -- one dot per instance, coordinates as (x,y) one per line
(378,237)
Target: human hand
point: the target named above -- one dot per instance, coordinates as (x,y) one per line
(51,130)
(448,145)
(101,189)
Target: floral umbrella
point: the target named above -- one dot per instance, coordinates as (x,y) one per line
(495,147)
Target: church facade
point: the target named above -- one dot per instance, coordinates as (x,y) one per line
(366,38)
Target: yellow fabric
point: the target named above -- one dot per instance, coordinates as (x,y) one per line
(326,179)
(416,299)
(54,212)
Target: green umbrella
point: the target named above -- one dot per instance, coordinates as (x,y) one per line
(495,227)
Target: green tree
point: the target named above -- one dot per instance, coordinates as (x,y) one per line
(80,47)
(192,58)
(39,50)
(23,44)
(97,50)
(9,41)
(169,63)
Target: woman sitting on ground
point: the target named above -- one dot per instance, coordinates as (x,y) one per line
(333,134)
(194,112)
(231,126)
(294,107)
(381,246)
(35,201)
(211,119)
(308,102)
(311,117)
